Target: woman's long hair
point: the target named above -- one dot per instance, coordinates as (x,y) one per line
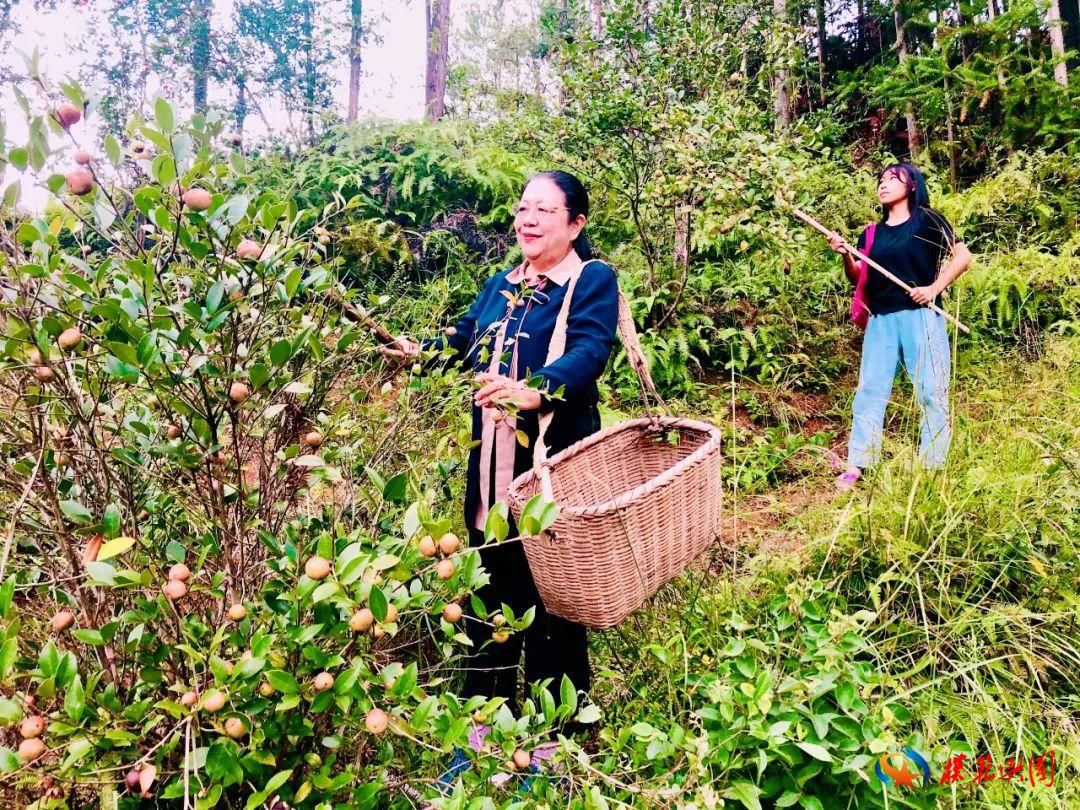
(577,204)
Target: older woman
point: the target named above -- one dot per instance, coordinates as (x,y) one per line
(504,337)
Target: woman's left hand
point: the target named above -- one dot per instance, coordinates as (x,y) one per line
(498,390)
(924,295)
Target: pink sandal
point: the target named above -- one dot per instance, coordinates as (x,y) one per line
(847,481)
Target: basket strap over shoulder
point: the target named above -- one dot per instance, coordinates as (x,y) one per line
(556,349)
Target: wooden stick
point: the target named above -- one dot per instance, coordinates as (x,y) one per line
(354,313)
(813,223)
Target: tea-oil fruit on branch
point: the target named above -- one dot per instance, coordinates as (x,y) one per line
(317,568)
(62,620)
(362,620)
(69,338)
(376,721)
(68,114)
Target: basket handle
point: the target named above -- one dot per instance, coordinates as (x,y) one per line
(557,347)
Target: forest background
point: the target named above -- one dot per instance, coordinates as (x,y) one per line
(189,419)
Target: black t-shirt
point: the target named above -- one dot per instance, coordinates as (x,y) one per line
(912,254)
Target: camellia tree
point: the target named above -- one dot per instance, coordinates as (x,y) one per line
(181,617)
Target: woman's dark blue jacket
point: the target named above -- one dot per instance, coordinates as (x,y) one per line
(590,335)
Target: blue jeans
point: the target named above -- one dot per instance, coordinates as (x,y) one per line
(916,338)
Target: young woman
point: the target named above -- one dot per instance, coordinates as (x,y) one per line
(912,241)
(504,337)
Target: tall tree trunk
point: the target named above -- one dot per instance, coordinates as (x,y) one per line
(820,12)
(356,42)
(438,45)
(860,18)
(309,69)
(241,108)
(200,53)
(1070,16)
(901,49)
(1057,44)
(596,17)
(781,94)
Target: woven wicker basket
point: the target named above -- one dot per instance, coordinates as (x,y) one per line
(638,502)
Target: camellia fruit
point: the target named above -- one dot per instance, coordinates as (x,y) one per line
(93,548)
(197,199)
(376,721)
(31,749)
(32,727)
(452,613)
(362,620)
(79,181)
(427,546)
(82,157)
(188,699)
(214,701)
(239,392)
(179,571)
(377,632)
(266,689)
(237,612)
(131,781)
(173,432)
(68,114)
(498,620)
(69,338)
(324,681)
(445,569)
(522,759)
(313,439)
(175,589)
(44,374)
(235,728)
(317,568)
(500,636)
(248,249)
(449,543)
(63,619)
(391,613)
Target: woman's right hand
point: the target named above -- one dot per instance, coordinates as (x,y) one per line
(838,243)
(400,351)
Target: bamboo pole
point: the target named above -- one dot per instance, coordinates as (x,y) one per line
(354,313)
(813,223)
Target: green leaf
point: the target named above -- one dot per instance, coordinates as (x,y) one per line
(378,603)
(124,372)
(7,593)
(110,523)
(9,760)
(281,352)
(75,700)
(164,114)
(214,296)
(396,489)
(91,637)
(223,765)
(283,682)
(816,751)
(745,792)
(8,652)
(568,694)
(76,511)
(10,712)
(112,150)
